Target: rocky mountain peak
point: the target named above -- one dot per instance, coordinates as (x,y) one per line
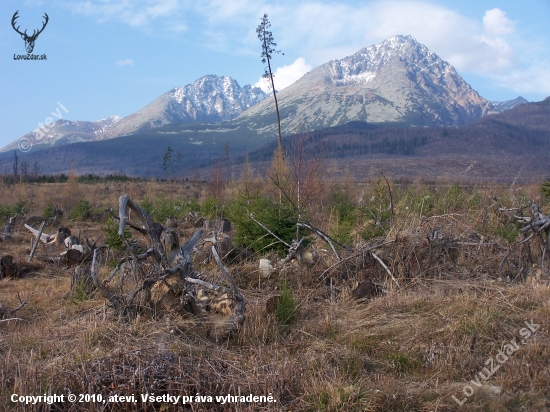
(398,80)
(508,104)
(363,66)
(208,99)
(217,89)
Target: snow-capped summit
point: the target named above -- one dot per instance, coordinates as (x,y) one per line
(209,99)
(399,80)
(62,132)
(363,66)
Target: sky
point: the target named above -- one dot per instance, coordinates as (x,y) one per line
(108,58)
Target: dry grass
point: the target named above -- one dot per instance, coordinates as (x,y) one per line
(408,350)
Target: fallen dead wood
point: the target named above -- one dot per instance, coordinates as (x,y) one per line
(49,258)
(35,244)
(210,286)
(295,249)
(360,252)
(5,312)
(268,231)
(163,278)
(44,238)
(7,231)
(148,253)
(292,253)
(140,229)
(539,225)
(238,317)
(323,236)
(152,229)
(75,252)
(374,255)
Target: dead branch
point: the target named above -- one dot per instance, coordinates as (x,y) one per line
(502,262)
(183,265)
(374,255)
(7,231)
(149,252)
(210,286)
(5,312)
(292,253)
(368,249)
(43,237)
(22,303)
(94,271)
(323,236)
(153,229)
(238,317)
(538,224)
(92,246)
(35,244)
(269,231)
(48,258)
(140,229)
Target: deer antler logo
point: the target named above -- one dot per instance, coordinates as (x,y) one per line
(29,40)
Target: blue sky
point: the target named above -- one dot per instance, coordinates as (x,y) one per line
(114,57)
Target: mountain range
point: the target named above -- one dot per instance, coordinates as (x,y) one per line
(398,81)
(396,98)
(209,99)
(510,146)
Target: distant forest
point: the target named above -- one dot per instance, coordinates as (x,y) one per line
(522,130)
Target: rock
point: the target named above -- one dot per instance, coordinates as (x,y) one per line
(266,267)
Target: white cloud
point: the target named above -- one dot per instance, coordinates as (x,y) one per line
(286,75)
(496,22)
(126,62)
(533,79)
(469,45)
(137,13)
(322,31)
(488,45)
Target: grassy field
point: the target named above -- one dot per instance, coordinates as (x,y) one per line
(460,321)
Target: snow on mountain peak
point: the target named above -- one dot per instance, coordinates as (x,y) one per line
(363,66)
(211,91)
